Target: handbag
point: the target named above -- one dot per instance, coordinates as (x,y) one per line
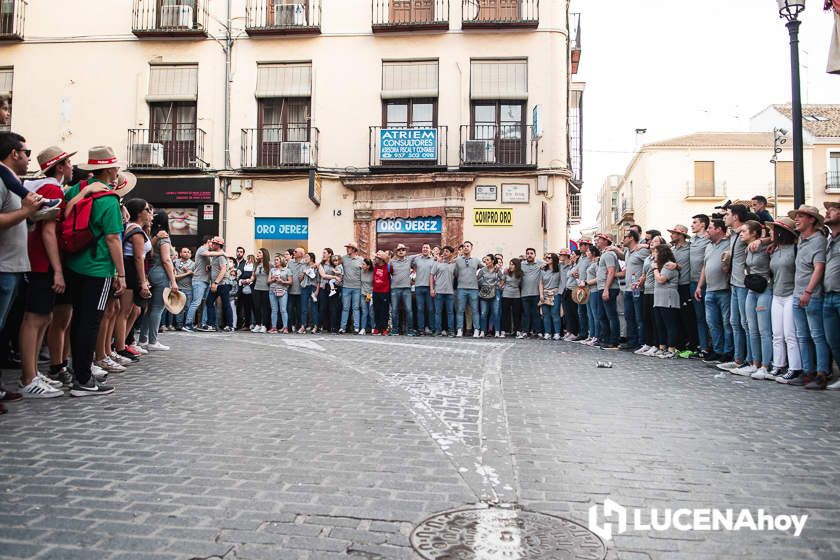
(246,289)
(487,292)
(581,295)
(756,283)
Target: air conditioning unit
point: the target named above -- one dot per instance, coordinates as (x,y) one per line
(479,151)
(286,14)
(146,155)
(294,153)
(179,17)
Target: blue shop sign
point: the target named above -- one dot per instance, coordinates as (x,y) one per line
(410,225)
(408,144)
(281,228)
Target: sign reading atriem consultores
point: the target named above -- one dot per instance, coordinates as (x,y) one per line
(408,144)
(410,225)
(493,217)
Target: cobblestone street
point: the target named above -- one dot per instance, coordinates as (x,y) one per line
(243,446)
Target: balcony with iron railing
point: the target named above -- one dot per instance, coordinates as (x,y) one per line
(293,146)
(705,189)
(166,147)
(282,17)
(493,145)
(12,15)
(414,148)
(574,41)
(409,15)
(500,13)
(169,19)
(832,181)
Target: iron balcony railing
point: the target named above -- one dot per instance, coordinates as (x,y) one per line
(626,206)
(409,146)
(498,145)
(405,15)
(832,181)
(705,189)
(500,13)
(12,15)
(168,18)
(166,147)
(293,146)
(278,17)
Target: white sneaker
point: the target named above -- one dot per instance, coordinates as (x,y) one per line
(729,366)
(665,355)
(480,334)
(652,351)
(546,336)
(498,334)
(519,335)
(138,349)
(762,373)
(332,292)
(556,336)
(776,372)
(361,332)
(460,333)
(98,373)
(122,360)
(157,346)
(476,334)
(503,334)
(55,384)
(642,350)
(746,370)
(110,365)
(263,329)
(592,341)
(255,328)
(834,386)
(40,390)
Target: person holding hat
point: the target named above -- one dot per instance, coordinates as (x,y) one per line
(351,290)
(808,298)
(783,266)
(831,301)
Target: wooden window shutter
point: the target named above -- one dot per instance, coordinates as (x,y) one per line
(784,178)
(704,178)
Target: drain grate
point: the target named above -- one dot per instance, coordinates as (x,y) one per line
(490,533)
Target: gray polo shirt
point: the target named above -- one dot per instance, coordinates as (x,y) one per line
(216,267)
(531,278)
(202,261)
(552,280)
(14,256)
(465,271)
(444,272)
(683,256)
(810,252)
(400,270)
(667,294)
(635,261)
(261,278)
(328,270)
(512,285)
(608,259)
(592,271)
(367,282)
(831,283)
(783,266)
(423,268)
(582,267)
(697,249)
(738,262)
(759,263)
(352,271)
(650,278)
(716,277)
(295,268)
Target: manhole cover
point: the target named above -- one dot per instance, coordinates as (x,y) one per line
(490,533)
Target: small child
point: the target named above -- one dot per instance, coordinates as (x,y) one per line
(338,270)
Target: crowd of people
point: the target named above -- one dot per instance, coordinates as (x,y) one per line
(91,273)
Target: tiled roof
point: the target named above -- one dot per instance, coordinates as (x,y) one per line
(718,140)
(823,121)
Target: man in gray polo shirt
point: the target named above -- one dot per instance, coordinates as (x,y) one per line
(607,290)
(422,265)
(530,291)
(296,266)
(682,253)
(831,284)
(697,250)
(466,271)
(351,290)
(442,289)
(579,274)
(734,218)
(714,277)
(634,259)
(400,270)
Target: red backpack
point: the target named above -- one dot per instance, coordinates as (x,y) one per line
(74,229)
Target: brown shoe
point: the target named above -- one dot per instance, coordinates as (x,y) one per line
(802,380)
(818,383)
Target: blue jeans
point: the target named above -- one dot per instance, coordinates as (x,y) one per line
(551,316)
(468,295)
(9,283)
(831,323)
(366,314)
(583,320)
(181,317)
(199,292)
(223,293)
(531,315)
(740,328)
(487,309)
(401,295)
(151,321)
(308,308)
(278,303)
(593,312)
(497,311)
(425,308)
(608,319)
(700,317)
(810,334)
(350,299)
(445,301)
(632,318)
(760,322)
(717,317)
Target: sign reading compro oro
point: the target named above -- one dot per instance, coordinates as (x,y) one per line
(493,217)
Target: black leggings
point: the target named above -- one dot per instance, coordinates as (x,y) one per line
(262,308)
(381,305)
(668,325)
(570,313)
(511,314)
(649,321)
(244,308)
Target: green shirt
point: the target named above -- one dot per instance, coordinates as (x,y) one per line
(105,218)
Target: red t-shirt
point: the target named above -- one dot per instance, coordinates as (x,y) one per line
(38,259)
(381,279)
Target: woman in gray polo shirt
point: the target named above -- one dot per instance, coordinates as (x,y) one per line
(759,305)
(783,266)
(666,301)
(551,296)
(511,300)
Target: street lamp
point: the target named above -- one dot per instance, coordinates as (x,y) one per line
(790,10)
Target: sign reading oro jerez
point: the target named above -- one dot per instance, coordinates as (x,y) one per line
(415,226)
(493,217)
(408,144)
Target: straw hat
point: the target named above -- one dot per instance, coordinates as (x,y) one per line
(100,157)
(808,210)
(828,205)
(581,295)
(586,240)
(681,229)
(605,236)
(352,244)
(785,223)
(125,183)
(51,157)
(174,302)
(218,241)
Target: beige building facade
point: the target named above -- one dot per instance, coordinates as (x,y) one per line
(307,123)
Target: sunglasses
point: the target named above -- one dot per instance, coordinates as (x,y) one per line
(27,152)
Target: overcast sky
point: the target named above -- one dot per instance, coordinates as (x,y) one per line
(680,67)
